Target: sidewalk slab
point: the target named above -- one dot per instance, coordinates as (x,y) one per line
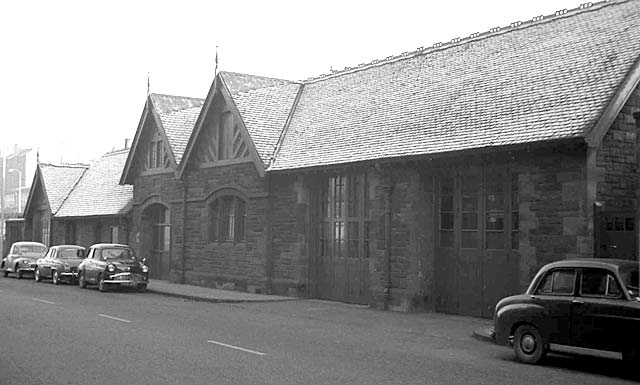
(199,293)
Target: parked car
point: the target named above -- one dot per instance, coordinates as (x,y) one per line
(109,264)
(22,258)
(580,306)
(60,264)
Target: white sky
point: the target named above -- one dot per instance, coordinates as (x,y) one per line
(73,75)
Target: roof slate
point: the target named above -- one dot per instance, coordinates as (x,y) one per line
(178,115)
(59,181)
(264,105)
(98,192)
(544,80)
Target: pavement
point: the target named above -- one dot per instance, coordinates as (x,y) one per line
(478,328)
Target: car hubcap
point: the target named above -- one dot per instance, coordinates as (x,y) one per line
(528,344)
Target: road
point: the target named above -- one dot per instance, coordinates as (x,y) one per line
(65,335)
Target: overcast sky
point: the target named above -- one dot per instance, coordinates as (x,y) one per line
(73,75)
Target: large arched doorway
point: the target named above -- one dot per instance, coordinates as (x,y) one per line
(156,240)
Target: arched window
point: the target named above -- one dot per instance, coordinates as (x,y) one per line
(227,219)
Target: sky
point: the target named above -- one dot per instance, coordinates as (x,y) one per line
(73,74)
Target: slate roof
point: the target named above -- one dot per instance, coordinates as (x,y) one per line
(264,105)
(542,80)
(178,115)
(58,181)
(98,192)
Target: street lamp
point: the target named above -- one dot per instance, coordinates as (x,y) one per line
(19,188)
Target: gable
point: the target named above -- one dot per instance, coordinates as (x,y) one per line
(221,139)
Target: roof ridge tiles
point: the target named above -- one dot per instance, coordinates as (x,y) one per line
(438,46)
(175,96)
(66,165)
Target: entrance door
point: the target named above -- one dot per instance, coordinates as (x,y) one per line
(616,236)
(343,239)
(156,242)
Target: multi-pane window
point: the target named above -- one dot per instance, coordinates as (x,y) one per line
(157,156)
(494,212)
(470,234)
(227,219)
(478,212)
(344,224)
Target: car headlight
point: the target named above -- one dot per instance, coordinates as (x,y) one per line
(25,262)
(111,268)
(145,269)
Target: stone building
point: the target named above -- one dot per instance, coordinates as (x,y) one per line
(79,204)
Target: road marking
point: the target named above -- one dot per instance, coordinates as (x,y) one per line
(114,318)
(43,301)
(237,348)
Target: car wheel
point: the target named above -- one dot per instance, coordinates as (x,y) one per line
(528,344)
(55,278)
(36,275)
(18,273)
(101,285)
(81,281)
(5,273)
(142,287)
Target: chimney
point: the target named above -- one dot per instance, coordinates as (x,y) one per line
(126,144)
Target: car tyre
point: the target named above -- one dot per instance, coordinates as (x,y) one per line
(36,275)
(18,273)
(81,280)
(528,344)
(142,287)
(101,285)
(5,273)
(55,278)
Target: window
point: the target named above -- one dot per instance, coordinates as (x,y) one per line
(114,234)
(599,283)
(157,156)
(45,222)
(227,219)
(478,211)
(559,282)
(344,226)
(471,189)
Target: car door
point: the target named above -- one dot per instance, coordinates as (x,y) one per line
(600,317)
(555,293)
(86,265)
(43,264)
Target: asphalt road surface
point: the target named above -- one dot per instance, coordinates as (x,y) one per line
(65,335)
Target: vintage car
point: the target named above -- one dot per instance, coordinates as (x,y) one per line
(22,258)
(60,264)
(110,264)
(575,306)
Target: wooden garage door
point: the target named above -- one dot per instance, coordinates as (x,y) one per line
(477,239)
(343,239)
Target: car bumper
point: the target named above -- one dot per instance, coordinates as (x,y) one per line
(27,269)
(127,279)
(69,275)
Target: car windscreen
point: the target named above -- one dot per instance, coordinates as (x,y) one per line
(30,249)
(71,254)
(630,278)
(118,253)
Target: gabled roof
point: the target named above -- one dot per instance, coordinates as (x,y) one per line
(175,117)
(548,79)
(98,192)
(56,183)
(264,105)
